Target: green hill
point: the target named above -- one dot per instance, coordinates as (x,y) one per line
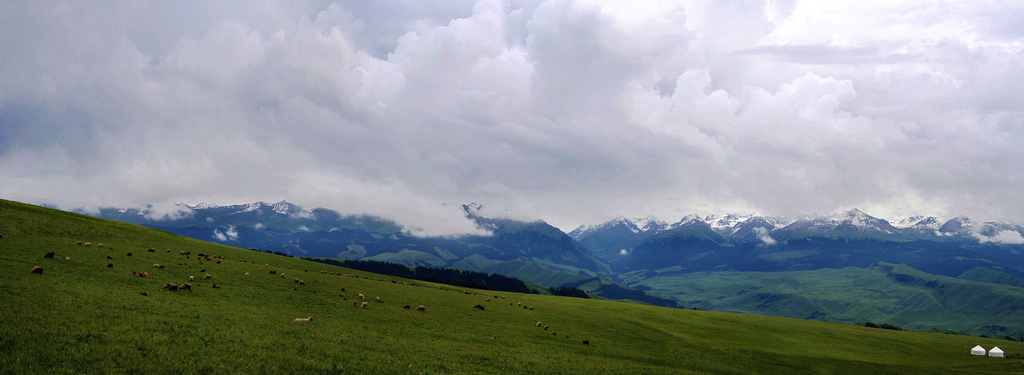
(81,316)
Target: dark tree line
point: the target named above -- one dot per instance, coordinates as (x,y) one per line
(466,279)
(569,292)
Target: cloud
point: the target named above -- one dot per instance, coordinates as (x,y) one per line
(229,234)
(1005,237)
(762,234)
(567,111)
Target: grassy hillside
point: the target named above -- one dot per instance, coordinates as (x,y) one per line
(80,316)
(885,293)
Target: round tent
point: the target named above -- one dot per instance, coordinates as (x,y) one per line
(995,352)
(978,350)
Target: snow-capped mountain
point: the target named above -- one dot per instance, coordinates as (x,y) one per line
(619,224)
(851,220)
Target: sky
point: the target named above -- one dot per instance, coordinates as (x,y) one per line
(571,112)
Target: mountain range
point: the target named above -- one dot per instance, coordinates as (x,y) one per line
(624,257)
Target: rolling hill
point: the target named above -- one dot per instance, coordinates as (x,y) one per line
(81,316)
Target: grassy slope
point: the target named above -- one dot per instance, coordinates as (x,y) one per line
(80,316)
(893,294)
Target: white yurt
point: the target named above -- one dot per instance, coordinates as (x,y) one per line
(978,350)
(995,352)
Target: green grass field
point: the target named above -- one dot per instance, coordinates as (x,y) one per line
(81,317)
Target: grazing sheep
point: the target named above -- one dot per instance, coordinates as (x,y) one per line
(586,342)
(37,269)
(493,337)
(355,303)
(282,275)
(171,286)
(79,243)
(488,300)
(364,304)
(479,307)
(361,296)
(168,251)
(246,274)
(546,328)
(108,257)
(273,272)
(186,287)
(202,270)
(206,276)
(134,273)
(295,288)
(87,244)
(554,333)
(296,280)
(323,294)
(50,254)
(341,295)
(152,250)
(378,299)
(302,283)
(191,278)
(144,275)
(538,324)
(531,307)
(342,289)
(215,286)
(567,336)
(305,320)
(110,265)
(129,254)
(520,304)
(421,308)
(218,262)
(144,294)
(67,258)
(99,245)
(160,266)
(406,306)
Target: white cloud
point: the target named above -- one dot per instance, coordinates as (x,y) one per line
(566,111)
(762,234)
(1005,237)
(229,234)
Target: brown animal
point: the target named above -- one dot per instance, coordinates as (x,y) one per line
(206,276)
(152,250)
(301,282)
(37,269)
(546,328)
(493,337)
(479,307)
(295,288)
(144,294)
(342,289)
(296,280)
(273,272)
(110,265)
(421,308)
(215,286)
(144,275)
(323,294)
(186,287)
(171,286)
(406,306)
(134,273)
(305,320)
(586,342)
(160,266)
(79,243)
(50,254)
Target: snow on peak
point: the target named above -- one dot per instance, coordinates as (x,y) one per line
(284,208)
(205,205)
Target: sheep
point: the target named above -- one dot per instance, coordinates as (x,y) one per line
(246,274)
(144,294)
(493,337)
(355,303)
(378,299)
(186,287)
(135,273)
(206,276)
(323,294)
(152,250)
(488,300)
(341,295)
(202,270)
(295,288)
(282,275)
(129,254)
(342,289)
(87,244)
(273,272)
(50,254)
(37,269)
(364,304)
(99,245)
(421,308)
(554,333)
(361,296)
(171,286)
(108,257)
(295,280)
(79,243)
(546,328)
(191,278)
(67,258)
(305,320)
(144,275)
(586,342)
(538,324)
(302,283)
(479,307)
(406,306)
(110,265)
(160,266)
(215,286)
